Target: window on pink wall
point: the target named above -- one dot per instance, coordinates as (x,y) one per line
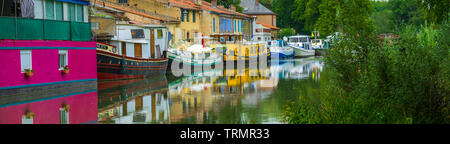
(25,60)
(63,116)
(63,59)
(27,120)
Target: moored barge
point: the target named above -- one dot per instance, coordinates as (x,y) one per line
(114,66)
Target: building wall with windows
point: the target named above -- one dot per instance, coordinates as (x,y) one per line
(44,59)
(52,35)
(190,19)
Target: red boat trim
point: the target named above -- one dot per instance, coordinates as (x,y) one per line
(131,58)
(104,76)
(107,44)
(148,69)
(131,65)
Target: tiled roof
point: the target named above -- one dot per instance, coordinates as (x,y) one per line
(188,4)
(134,11)
(268,26)
(220,9)
(251,8)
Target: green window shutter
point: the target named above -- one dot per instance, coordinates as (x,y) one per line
(59,10)
(182,15)
(187,16)
(49,12)
(79,13)
(72,12)
(193,16)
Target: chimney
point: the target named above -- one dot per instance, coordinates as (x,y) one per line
(214,3)
(233,8)
(256,2)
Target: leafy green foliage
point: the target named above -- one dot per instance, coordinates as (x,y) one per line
(286,32)
(404,82)
(229,3)
(437,11)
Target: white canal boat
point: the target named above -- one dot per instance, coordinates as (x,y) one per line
(302,45)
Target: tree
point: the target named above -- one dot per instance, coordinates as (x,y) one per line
(406,12)
(311,14)
(384,17)
(286,32)
(283,9)
(327,23)
(268,4)
(229,3)
(437,11)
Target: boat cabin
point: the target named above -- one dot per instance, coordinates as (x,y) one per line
(317,43)
(301,41)
(140,41)
(276,43)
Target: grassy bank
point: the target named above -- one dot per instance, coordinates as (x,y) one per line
(406,81)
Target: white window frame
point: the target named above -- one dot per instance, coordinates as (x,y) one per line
(95,25)
(85,13)
(54,10)
(38,3)
(26,120)
(22,69)
(63,116)
(66,61)
(65,12)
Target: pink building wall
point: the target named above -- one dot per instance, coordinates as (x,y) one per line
(81,61)
(83,109)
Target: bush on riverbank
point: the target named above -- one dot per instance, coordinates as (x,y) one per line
(405,82)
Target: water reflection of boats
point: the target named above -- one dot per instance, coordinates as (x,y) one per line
(199,94)
(142,101)
(297,69)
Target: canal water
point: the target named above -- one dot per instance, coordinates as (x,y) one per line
(242,96)
(208,98)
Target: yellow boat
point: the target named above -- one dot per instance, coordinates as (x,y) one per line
(245,51)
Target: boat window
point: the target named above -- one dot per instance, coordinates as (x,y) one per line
(137,33)
(304,39)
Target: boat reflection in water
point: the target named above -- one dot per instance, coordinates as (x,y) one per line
(239,96)
(230,96)
(134,101)
(297,69)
